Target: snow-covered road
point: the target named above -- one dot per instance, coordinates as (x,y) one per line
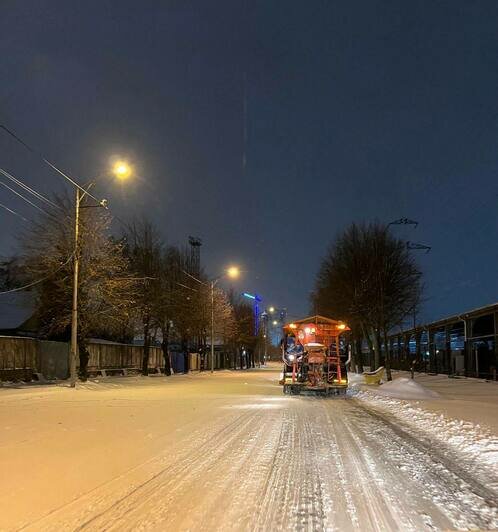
(230,452)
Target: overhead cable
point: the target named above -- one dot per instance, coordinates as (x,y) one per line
(25,287)
(22,197)
(47,162)
(13,212)
(32,191)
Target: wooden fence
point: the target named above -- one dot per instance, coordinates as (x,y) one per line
(115,356)
(18,358)
(22,357)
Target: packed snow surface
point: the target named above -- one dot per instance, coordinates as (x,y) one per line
(230,452)
(405,388)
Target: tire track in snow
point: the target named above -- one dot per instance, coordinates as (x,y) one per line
(370,506)
(382,501)
(274,490)
(98,501)
(433,476)
(444,455)
(293,497)
(311,464)
(120,514)
(223,471)
(240,474)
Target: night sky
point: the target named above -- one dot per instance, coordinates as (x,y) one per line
(356,110)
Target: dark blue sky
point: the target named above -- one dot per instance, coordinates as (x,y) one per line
(356,110)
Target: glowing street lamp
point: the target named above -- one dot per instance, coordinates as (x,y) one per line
(233,272)
(122,170)
(271,309)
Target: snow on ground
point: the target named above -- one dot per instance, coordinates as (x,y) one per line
(405,388)
(473,400)
(230,452)
(476,439)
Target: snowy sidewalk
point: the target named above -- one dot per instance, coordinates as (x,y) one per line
(473,400)
(461,412)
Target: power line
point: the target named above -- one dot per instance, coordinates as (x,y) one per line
(22,197)
(13,212)
(25,287)
(32,191)
(194,278)
(47,162)
(187,287)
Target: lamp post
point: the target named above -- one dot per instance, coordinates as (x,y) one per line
(213,284)
(232,272)
(264,315)
(278,315)
(256,301)
(121,170)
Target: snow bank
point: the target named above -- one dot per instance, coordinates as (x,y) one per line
(400,388)
(404,388)
(478,444)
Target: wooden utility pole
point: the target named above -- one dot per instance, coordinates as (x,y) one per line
(74,313)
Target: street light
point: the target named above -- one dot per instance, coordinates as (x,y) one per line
(271,309)
(121,170)
(233,272)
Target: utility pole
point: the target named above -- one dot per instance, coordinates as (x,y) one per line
(232,272)
(76,269)
(264,315)
(74,313)
(213,282)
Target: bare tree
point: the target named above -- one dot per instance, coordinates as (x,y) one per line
(172,304)
(225,324)
(11,273)
(106,290)
(369,279)
(243,337)
(144,249)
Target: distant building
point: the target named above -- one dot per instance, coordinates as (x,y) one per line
(464,344)
(17,314)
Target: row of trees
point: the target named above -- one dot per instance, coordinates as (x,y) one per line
(369,279)
(175,302)
(132,286)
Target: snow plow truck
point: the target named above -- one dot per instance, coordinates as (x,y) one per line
(314,355)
